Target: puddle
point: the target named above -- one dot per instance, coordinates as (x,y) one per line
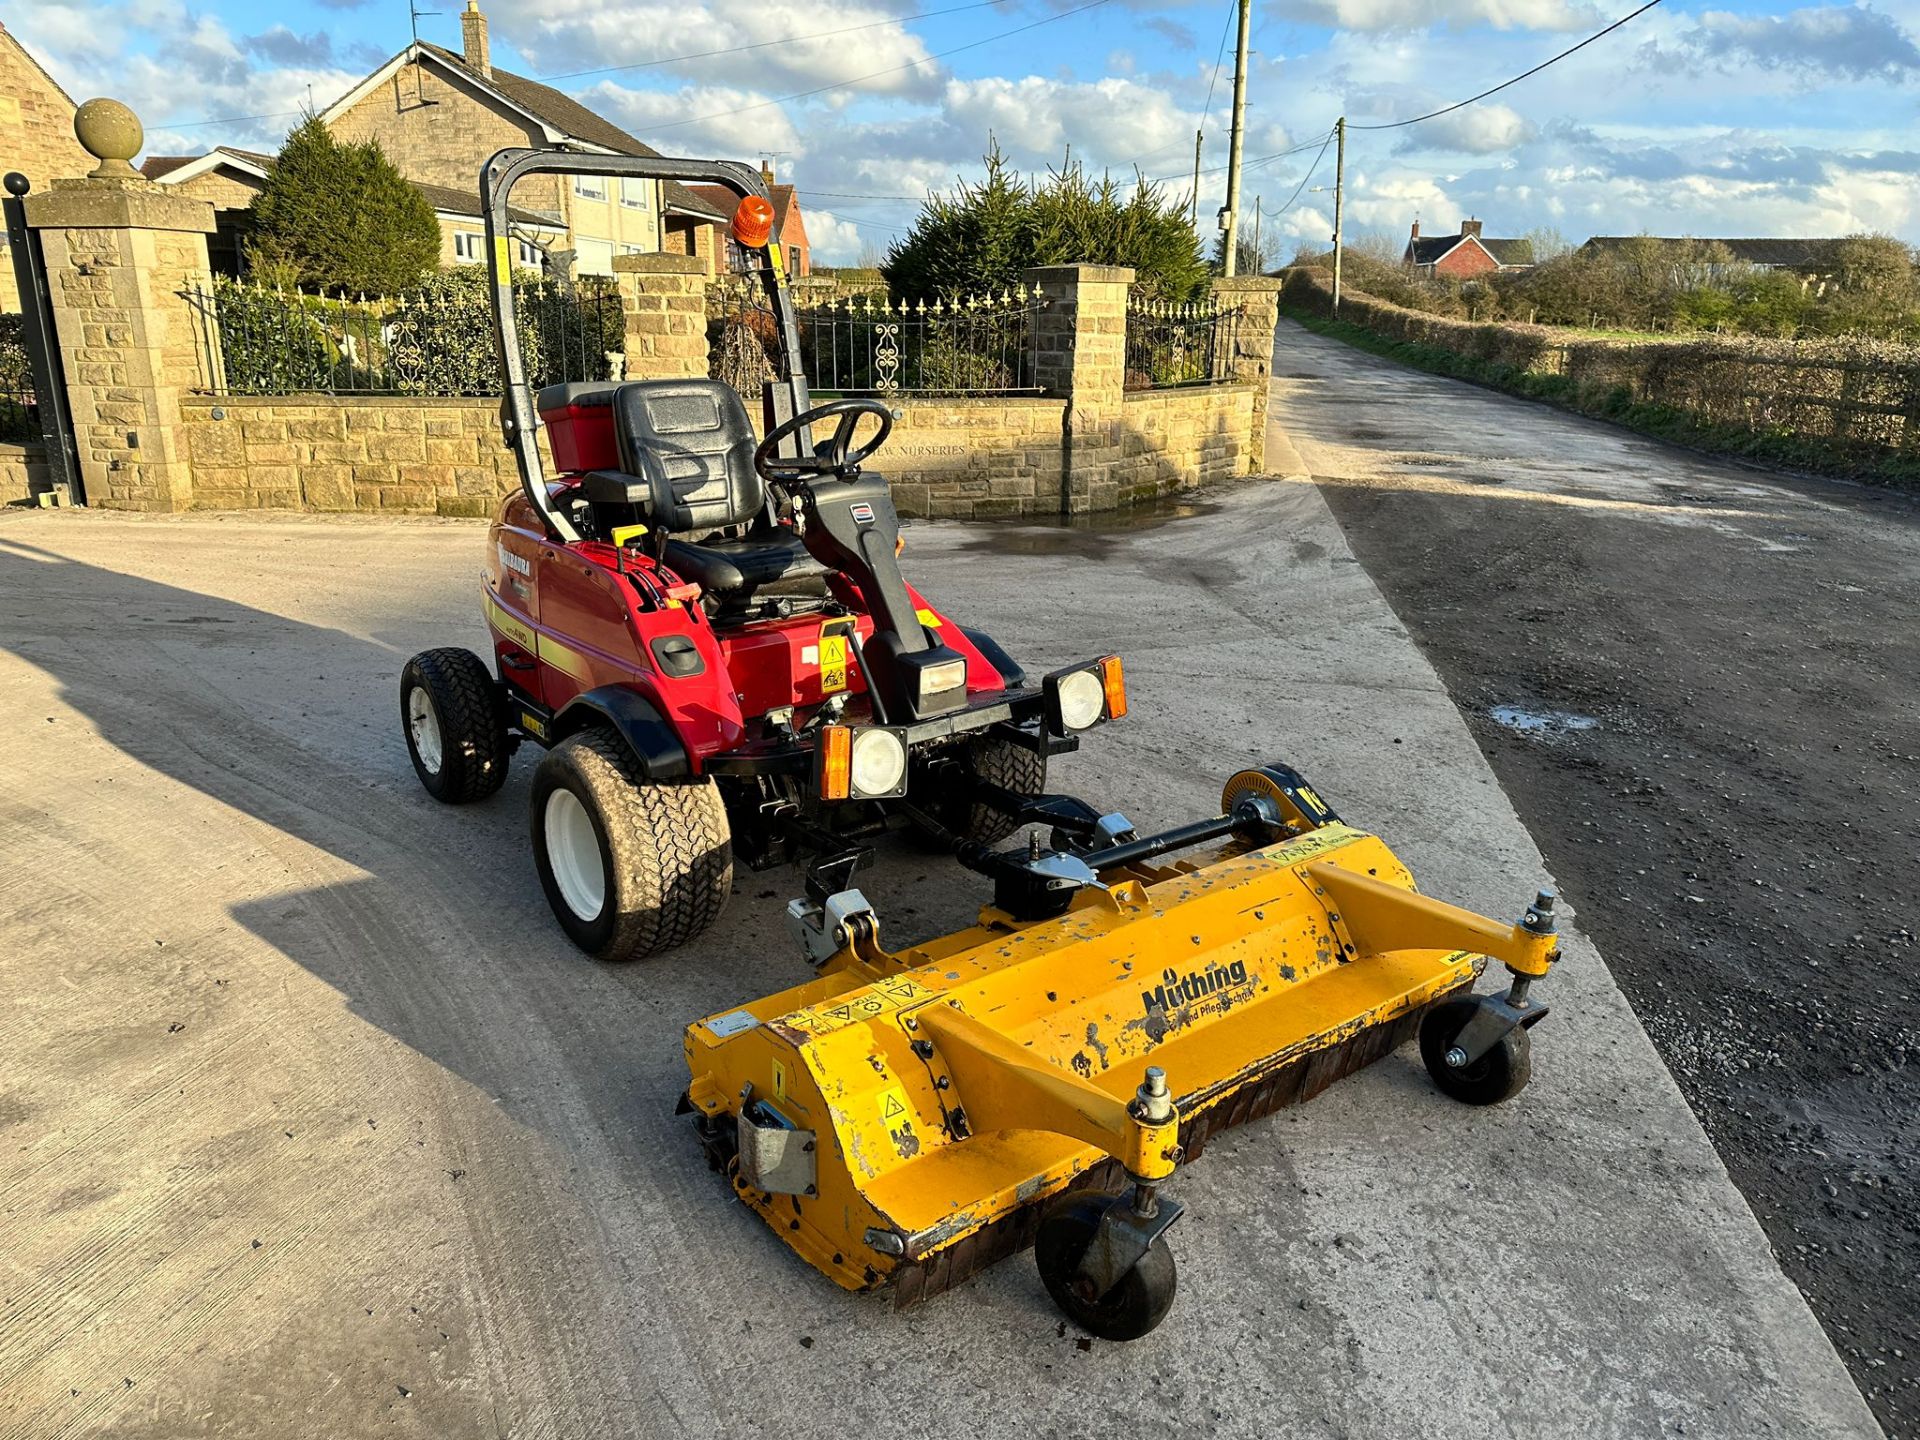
(1541,722)
(1082,534)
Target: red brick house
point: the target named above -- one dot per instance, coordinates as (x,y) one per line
(787,219)
(1465,255)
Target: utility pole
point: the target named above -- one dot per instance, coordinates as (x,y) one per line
(1194,218)
(1230,259)
(1339,194)
(1259,258)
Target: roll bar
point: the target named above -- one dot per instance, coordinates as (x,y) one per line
(519,424)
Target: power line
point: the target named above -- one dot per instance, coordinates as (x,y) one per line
(1471,99)
(876,74)
(765,44)
(1219,56)
(1306,177)
(1257,160)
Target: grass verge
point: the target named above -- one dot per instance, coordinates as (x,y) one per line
(1663,422)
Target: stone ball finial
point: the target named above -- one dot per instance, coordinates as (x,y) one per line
(111,133)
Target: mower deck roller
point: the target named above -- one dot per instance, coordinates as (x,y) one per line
(906,1118)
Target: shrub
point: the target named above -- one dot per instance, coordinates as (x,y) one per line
(341,218)
(983,236)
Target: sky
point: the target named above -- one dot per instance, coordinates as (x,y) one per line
(1753,119)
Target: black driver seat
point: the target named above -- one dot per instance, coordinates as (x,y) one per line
(686,466)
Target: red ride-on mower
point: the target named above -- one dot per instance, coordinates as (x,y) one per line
(712,637)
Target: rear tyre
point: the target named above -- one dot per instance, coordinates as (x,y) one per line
(455,724)
(1498,1075)
(954,800)
(631,868)
(1134,1306)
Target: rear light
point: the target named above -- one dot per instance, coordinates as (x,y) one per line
(836,762)
(1114,681)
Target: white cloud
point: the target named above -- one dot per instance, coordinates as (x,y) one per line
(835,241)
(1485,129)
(1424,14)
(1854,42)
(567,35)
(1109,122)
(742,126)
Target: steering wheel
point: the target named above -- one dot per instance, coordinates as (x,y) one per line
(831,457)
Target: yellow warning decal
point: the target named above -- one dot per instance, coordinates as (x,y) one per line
(833,664)
(533,724)
(836,640)
(511,625)
(868,1003)
(502,258)
(928,618)
(892,1104)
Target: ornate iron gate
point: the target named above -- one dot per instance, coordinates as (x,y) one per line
(45,401)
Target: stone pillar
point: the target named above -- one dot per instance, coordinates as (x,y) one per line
(124,259)
(665,300)
(1258,299)
(1080,354)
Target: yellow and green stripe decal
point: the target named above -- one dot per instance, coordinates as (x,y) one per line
(563,658)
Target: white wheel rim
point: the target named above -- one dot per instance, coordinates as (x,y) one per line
(573,854)
(424,726)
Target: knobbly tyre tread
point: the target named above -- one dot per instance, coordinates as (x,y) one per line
(473,724)
(671,848)
(998,762)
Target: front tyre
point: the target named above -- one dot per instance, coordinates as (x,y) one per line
(630,867)
(455,724)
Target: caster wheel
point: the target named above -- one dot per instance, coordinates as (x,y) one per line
(1500,1074)
(1133,1307)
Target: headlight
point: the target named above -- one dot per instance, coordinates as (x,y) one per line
(879,763)
(1083,699)
(940,678)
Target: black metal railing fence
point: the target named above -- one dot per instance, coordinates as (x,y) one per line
(874,345)
(19,412)
(1171,344)
(436,339)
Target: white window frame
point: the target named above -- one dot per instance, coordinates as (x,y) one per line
(629,188)
(531,255)
(590,187)
(580,263)
(465,241)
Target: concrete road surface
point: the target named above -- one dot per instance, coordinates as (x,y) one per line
(313,1125)
(1733,785)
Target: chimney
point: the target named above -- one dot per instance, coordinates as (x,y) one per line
(766,172)
(1416,233)
(1470,227)
(473,40)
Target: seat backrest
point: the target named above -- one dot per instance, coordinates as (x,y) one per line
(692,440)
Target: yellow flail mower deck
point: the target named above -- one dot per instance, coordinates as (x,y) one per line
(906,1118)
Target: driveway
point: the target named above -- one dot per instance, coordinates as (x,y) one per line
(1709,679)
(315,1126)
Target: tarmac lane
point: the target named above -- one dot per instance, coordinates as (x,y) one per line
(315,1125)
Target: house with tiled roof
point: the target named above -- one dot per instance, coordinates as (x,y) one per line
(36,136)
(228,179)
(1463,255)
(441,114)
